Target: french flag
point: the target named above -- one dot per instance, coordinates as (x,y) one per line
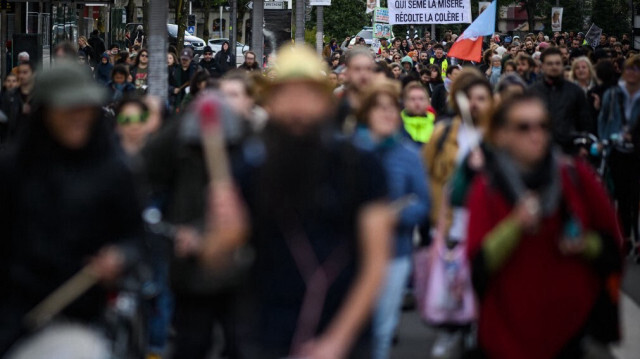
(469,45)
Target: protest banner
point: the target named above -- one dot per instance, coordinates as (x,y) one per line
(372,5)
(482,6)
(556,19)
(403,12)
(593,36)
(375,45)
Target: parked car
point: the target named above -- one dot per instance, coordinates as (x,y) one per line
(196,43)
(366,33)
(216,46)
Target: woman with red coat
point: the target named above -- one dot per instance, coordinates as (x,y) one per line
(544,244)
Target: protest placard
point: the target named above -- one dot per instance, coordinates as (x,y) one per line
(381,16)
(429,11)
(381,30)
(556,18)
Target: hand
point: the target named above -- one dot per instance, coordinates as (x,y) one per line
(188,242)
(572,246)
(596,101)
(476,159)
(583,152)
(154,104)
(527,212)
(225,204)
(176,91)
(108,264)
(488,72)
(323,348)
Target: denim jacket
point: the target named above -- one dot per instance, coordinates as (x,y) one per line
(614,104)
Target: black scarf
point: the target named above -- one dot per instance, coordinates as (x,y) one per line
(544,179)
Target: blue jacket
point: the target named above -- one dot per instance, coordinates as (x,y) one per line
(102,71)
(406,175)
(610,120)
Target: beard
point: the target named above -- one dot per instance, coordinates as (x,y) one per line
(293,170)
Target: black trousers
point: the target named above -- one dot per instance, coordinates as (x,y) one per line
(625,173)
(194,321)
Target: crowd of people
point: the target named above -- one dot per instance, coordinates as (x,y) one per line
(337,172)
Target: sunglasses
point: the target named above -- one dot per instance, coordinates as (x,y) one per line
(526,126)
(144,55)
(125,120)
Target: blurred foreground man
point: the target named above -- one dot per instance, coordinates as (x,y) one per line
(66,201)
(320,225)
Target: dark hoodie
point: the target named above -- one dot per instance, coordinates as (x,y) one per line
(224,60)
(102,72)
(58,208)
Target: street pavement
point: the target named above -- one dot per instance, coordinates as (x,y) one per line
(415,338)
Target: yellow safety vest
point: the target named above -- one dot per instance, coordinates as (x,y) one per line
(443,67)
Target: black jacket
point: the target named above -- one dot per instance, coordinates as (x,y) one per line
(182,79)
(12,104)
(174,163)
(210,66)
(568,108)
(58,208)
(225,60)
(439,99)
(97,44)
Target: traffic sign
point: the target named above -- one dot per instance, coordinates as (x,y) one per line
(191,29)
(274,5)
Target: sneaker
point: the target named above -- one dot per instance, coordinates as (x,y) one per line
(448,345)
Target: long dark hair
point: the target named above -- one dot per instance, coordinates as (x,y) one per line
(138,57)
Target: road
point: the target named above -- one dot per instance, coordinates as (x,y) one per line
(415,339)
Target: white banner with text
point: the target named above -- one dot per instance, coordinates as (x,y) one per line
(429,11)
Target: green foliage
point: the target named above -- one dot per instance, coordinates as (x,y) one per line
(612,16)
(310,36)
(343,18)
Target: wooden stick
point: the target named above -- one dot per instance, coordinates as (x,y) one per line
(57,301)
(209,110)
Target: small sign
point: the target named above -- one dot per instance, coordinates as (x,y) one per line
(320,2)
(381,30)
(381,16)
(375,45)
(191,29)
(274,5)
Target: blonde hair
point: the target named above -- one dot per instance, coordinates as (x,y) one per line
(574,66)
(84,38)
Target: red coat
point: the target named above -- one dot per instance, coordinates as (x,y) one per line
(540,299)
